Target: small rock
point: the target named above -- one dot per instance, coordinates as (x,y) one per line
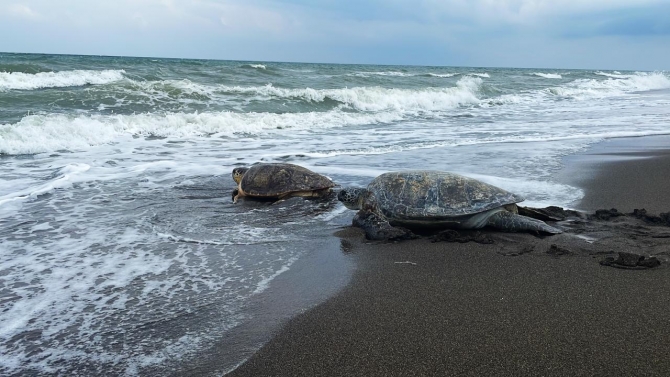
(557,250)
(605,214)
(631,261)
(662,219)
(649,262)
(628,259)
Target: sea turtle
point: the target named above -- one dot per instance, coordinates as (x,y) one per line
(279,181)
(434,199)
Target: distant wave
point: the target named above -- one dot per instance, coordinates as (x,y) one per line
(592,88)
(255,66)
(382,73)
(547,75)
(405,74)
(614,74)
(377,98)
(21,67)
(442,74)
(365,98)
(483,75)
(31,81)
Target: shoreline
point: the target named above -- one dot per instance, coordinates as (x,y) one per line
(615,173)
(521,306)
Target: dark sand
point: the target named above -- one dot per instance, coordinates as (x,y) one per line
(517,307)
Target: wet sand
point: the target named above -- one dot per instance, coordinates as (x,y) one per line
(619,173)
(523,305)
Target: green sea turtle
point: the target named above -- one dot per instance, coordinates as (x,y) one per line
(434,199)
(279,181)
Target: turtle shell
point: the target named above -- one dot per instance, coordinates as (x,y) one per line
(432,195)
(270,180)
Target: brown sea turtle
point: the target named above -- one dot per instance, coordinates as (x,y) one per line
(279,181)
(434,199)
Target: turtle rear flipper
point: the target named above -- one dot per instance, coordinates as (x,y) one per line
(377,228)
(511,222)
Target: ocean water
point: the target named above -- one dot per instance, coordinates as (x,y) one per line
(120,249)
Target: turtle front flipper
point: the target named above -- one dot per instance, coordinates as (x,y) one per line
(511,222)
(377,228)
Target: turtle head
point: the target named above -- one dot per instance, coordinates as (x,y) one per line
(352,197)
(238,173)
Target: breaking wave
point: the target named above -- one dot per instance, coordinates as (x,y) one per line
(47,133)
(254,66)
(614,74)
(41,80)
(591,88)
(548,75)
(442,74)
(377,98)
(383,73)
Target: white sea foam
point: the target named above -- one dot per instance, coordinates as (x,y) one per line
(256,66)
(548,75)
(67,176)
(31,81)
(80,275)
(443,74)
(544,193)
(265,282)
(372,98)
(614,74)
(406,74)
(378,98)
(45,133)
(483,75)
(591,88)
(381,73)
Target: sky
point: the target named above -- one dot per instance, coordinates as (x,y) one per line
(589,34)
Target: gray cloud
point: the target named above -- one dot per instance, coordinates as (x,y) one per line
(536,33)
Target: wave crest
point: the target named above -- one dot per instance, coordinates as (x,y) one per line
(378,98)
(254,66)
(547,75)
(592,88)
(41,80)
(48,133)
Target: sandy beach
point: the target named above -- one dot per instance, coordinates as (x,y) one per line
(522,305)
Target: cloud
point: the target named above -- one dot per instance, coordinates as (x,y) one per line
(241,17)
(22,11)
(638,23)
(451,32)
